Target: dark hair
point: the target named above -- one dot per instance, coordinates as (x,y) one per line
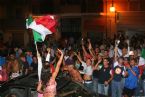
(120,58)
(126,59)
(45,75)
(106,59)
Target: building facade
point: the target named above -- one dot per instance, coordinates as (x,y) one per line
(77,18)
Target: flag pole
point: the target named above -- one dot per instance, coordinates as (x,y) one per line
(36,47)
(39,62)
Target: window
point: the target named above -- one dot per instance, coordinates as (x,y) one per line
(70,2)
(95,6)
(71,27)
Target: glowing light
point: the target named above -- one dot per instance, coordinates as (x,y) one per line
(112,9)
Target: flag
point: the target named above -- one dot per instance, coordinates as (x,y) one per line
(141,61)
(37,36)
(44,25)
(143,53)
(41,27)
(142,58)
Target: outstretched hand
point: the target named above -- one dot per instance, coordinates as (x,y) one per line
(75,53)
(89,41)
(89,46)
(48,50)
(82,41)
(40,84)
(60,51)
(115,49)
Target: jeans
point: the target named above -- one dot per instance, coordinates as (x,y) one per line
(139,87)
(95,86)
(144,86)
(116,89)
(122,83)
(102,89)
(89,86)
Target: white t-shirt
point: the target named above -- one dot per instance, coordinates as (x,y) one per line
(88,70)
(120,52)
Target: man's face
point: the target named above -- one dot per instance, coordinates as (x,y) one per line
(120,61)
(70,67)
(34,59)
(12,56)
(99,57)
(126,61)
(105,53)
(124,51)
(88,62)
(132,62)
(23,59)
(97,50)
(28,53)
(105,62)
(131,56)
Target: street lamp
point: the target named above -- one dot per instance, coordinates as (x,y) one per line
(113,14)
(112,9)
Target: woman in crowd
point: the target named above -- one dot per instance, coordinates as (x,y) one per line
(49,80)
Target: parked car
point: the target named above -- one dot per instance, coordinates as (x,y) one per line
(25,86)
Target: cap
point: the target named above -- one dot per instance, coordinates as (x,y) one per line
(131,53)
(88,56)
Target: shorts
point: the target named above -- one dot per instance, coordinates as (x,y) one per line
(128,92)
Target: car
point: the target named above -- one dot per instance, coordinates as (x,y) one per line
(25,86)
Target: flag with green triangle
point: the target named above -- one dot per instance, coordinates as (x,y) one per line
(37,36)
(44,25)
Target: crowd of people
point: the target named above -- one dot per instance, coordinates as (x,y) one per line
(108,68)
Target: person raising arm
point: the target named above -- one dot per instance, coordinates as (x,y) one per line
(50,89)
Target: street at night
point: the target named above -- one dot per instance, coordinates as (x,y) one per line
(72,48)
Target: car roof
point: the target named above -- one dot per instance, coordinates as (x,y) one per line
(31,81)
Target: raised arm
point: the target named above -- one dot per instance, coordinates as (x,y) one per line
(58,65)
(91,49)
(78,56)
(97,64)
(128,49)
(83,47)
(115,53)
